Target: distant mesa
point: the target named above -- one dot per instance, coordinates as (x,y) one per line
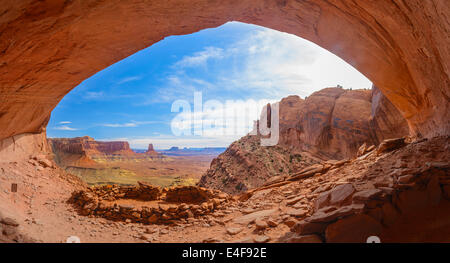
(90,147)
(82,151)
(177,151)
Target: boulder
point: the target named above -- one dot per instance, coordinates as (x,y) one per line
(390,145)
(325,216)
(339,195)
(366,195)
(306,228)
(356,228)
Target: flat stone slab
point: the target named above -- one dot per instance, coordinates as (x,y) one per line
(247,219)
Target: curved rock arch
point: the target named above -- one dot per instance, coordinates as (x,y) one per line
(48,47)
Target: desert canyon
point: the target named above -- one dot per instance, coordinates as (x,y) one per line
(349,164)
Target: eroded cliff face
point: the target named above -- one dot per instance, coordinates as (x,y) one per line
(22,147)
(83,151)
(48,47)
(331,124)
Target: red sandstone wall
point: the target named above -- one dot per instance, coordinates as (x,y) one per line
(48,47)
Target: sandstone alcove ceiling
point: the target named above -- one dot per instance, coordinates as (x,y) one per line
(48,47)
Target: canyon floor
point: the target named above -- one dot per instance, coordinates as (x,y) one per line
(164,172)
(403,193)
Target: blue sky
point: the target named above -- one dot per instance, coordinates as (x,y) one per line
(132,99)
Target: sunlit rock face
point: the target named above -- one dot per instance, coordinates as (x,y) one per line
(83,151)
(48,47)
(87,145)
(331,124)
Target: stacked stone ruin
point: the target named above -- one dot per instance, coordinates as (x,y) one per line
(172,203)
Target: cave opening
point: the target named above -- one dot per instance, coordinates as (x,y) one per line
(361,175)
(127,111)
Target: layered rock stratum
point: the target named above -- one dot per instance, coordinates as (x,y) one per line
(331,124)
(82,151)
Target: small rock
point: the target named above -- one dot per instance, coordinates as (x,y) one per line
(272,223)
(290,222)
(260,224)
(297,212)
(147,237)
(367,195)
(261,239)
(234,230)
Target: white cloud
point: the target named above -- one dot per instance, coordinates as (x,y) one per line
(269,64)
(128,124)
(93,95)
(65,128)
(201,58)
(65,122)
(129,79)
(120,125)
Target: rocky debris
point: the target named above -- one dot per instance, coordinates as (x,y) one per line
(309,171)
(390,145)
(41,160)
(294,200)
(144,192)
(190,194)
(261,165)
(363,149)
(104,201)
(353,212)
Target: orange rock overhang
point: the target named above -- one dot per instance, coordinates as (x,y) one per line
(49,47)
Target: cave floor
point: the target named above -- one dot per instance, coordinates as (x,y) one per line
(41,209)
